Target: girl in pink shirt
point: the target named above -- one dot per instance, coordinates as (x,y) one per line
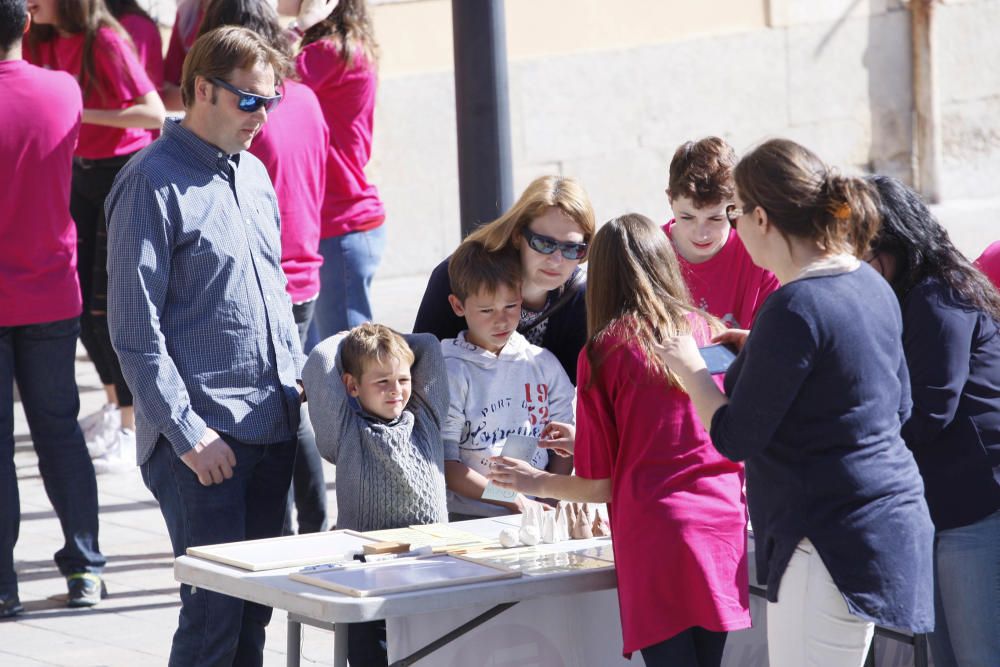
(145,36)
(678,514)
(120,107)
(716,267)
(338,60)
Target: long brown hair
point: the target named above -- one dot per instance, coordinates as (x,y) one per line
(79,16)
(541,194)
(635,288)
(807,199)
(349,27)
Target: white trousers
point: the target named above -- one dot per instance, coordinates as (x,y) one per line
(809,625)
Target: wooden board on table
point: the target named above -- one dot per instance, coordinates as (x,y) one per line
(404,575)
(274,553)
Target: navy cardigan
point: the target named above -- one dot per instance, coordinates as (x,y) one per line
(816,399)
(953,353)
(564,337)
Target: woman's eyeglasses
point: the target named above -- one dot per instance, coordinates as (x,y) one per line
(548,245)
(733,213)
(247,101)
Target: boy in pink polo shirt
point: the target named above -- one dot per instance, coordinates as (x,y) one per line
(716,267)
(40,312)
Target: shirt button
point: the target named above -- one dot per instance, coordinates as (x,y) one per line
(248,221)
(267,298)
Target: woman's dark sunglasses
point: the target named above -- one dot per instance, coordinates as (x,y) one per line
(548,245)
(246,101)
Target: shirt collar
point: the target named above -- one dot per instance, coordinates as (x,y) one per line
(198,148)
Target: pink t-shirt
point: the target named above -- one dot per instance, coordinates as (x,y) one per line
(729,285)
(678,514)
(120,80)
(292,145)
(347,97)
(989,263)
(41,123)
(148,44)
(185,31)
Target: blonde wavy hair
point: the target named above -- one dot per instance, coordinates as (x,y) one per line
(541,194)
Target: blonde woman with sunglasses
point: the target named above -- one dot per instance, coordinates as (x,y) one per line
(549,226)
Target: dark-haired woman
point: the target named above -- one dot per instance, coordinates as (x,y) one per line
(951,335)
(338,60)
(815,403)
(120,106)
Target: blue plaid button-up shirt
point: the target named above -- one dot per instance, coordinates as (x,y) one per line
(197,305)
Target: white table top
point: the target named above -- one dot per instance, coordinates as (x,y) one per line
(273,588)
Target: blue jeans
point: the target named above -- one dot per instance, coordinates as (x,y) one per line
(215,629)
(41,358)
(308,490)
(349,264)
(967,595)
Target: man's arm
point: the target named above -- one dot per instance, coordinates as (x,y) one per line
(140,245)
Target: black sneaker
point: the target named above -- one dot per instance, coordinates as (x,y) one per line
(85,589)
(10,605)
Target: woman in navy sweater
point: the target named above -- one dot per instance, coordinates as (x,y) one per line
(815,402)
(951,338)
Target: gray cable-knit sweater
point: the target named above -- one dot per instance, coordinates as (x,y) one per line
(389,474)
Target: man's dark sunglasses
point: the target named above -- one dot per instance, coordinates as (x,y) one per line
(246,101)
(548,245)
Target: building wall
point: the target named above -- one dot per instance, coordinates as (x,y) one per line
(605,91)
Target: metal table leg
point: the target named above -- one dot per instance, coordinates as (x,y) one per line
(920,657)
(294,641)
(340,632)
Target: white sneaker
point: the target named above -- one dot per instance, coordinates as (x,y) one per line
(118,455)
(99,428)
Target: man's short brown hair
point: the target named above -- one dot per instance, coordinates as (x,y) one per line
(702,171)
(372,342)
(472,269)
(217,53)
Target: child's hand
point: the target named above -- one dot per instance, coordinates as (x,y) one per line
(558,437)
(680,354)
(734,337)
(517,475)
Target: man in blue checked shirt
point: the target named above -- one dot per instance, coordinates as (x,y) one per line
(203,326)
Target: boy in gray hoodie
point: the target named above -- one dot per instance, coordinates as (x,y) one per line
(500,384)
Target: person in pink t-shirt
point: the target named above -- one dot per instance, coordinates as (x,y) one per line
(716,267)
(338,60)
(677,509)
(145,36)
(39,312)
(989,263)
(120,106)
(186,24)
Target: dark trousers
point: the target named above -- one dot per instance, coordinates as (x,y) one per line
(308,490)
(694,647)
(215,629)
(91,184)
(40,358)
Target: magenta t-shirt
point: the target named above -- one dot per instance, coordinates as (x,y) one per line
(678,513)
(347,97)
(989,263)
(41,123)
(728,285)
(120,80)
(187,21)
(148,45)
(292,145)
